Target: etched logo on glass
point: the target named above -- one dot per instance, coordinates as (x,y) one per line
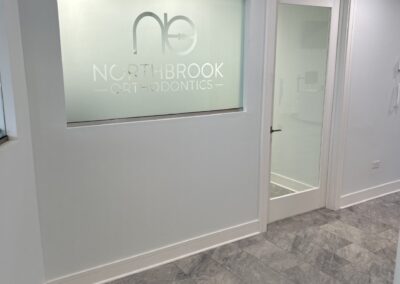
(178,34)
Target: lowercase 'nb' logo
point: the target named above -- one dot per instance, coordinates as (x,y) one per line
(166,36)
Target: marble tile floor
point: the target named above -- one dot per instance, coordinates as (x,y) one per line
(278,191)
(355,245)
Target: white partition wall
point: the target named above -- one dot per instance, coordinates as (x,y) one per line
(369,117)
(21,260)
(128,191)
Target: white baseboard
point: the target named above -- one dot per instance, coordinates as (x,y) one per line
(291,205)
(137,263)
(369,193)
(288,182)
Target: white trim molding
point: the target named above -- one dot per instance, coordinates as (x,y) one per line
(154,258)
(268,93)
(290,183)
(294,204)
(319,3)
(367,194)
(341,105)
(319,197)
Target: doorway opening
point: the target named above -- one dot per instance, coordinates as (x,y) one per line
(306,37)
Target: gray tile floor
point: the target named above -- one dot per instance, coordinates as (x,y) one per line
(278,191)
(355,245)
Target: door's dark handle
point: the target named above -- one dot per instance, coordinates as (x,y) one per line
(275,130)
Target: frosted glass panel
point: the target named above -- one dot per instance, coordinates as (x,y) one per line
(301,65)
(125,58)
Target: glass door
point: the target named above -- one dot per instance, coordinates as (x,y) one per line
(3,133)
(300,110)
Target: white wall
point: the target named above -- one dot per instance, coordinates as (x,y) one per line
(373,126)
(113,191)
(21,259)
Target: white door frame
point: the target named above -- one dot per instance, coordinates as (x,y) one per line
(267,114)
(269,81)
(320,3)
(342,103)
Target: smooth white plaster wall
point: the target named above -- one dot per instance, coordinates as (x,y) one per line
(113,191)
(83,224)
(374,126)
(21,259)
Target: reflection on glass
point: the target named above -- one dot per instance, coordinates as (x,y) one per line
(301,64)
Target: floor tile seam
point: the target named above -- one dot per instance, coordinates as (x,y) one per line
(319,270)
(186,274)
(294,251)
(336,234)
(257,259)
(381,220)
(228,268)
(373,220)
(312,263)
(222,266)
(355,269)
(331,250)
(355,243)
(270,267)
(363,270)
(387,238)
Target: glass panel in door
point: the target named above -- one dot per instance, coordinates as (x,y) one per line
(301,66)
(2,116)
